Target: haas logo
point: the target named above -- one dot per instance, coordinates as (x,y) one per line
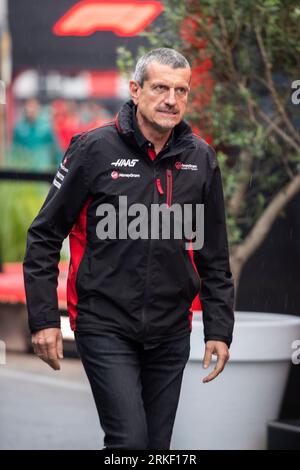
(125,162)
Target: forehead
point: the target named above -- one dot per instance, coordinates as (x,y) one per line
(165,73)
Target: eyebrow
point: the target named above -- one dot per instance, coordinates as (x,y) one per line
(164,84)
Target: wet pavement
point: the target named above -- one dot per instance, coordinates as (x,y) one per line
(45,409)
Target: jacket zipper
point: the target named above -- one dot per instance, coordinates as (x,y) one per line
(154,199)
(169,187)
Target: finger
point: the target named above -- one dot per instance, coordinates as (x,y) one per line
(54,363)
(33,345)
(217,370)
(51,349)
(34,341)
(52,356)
(59,346)
(212,375)
(41,348)
(207,356)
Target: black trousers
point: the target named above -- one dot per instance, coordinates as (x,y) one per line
(136,389)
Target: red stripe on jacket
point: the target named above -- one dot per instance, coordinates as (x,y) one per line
(77,239)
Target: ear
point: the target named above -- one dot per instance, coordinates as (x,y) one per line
(134,89)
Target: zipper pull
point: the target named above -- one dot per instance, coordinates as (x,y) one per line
(159,186)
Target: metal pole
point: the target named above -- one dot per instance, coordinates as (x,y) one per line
(5,73)
(5,78)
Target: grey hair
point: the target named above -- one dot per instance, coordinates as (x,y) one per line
(162,55)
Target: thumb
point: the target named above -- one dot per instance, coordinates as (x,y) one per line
(59,345)
(207,357)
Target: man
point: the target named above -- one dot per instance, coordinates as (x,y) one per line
(34,146)
(129,297)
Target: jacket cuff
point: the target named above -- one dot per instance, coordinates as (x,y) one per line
(225,339)
(37,326)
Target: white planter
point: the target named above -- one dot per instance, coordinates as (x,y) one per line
(232,411)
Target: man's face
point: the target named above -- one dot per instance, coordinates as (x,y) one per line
(31,109)
(163,98)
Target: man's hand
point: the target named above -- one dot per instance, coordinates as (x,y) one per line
(48,345)
(220,349)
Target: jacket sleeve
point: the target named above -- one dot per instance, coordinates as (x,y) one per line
(212,262)
(66,197)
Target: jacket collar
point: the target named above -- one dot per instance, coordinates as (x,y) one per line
(181,137)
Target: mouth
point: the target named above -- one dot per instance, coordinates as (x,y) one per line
(168,113)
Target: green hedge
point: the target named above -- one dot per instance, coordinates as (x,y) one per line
(19,204)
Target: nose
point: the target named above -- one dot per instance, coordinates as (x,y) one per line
(171,98)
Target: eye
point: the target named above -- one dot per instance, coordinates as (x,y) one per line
(160,88)
(181,91)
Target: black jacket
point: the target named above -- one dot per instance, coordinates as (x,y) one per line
(142,288)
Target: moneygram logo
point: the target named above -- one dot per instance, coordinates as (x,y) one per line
(185,166)
(116,174)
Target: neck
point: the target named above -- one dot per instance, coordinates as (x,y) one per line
(156,136)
